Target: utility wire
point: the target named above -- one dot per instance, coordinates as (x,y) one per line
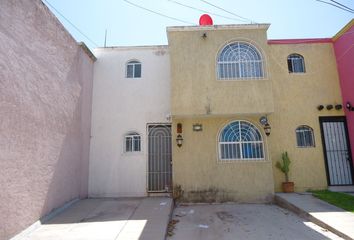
(77,29)
(203,11)
(335,6)
(338,3)
(222,9)
(160,14)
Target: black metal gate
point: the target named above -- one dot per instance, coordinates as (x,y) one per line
(159,158)
(336,149)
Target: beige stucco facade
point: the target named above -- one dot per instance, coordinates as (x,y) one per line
(288,100)
(195,90)
(296,97)
(204,178)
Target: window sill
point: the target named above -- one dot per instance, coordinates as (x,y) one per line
(241,79)
(132,153)
(243,161)
(297,73)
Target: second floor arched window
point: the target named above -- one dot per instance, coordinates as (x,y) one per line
(240,60)
(133,69)
(296,63)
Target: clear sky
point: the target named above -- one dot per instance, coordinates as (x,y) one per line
(130,26)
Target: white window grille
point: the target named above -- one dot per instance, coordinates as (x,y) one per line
(240,60)
(132,142)
(133,69)
(296,63)
(305,137)
(241,140)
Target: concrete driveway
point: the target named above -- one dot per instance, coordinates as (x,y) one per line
(108,219)
(242,221)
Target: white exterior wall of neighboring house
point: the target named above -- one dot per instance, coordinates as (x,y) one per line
(122,105)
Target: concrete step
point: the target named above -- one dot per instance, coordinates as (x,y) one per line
(345,189)
(319,212)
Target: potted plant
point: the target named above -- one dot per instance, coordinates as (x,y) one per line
(284,167)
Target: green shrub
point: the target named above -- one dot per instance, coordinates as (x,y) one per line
(284,165)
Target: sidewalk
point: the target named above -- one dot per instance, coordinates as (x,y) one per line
(319,212)
(107,219)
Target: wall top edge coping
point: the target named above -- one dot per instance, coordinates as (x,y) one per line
(300,41)
(145,47)
(343,30)
(87,51)
(264,26)
(236,115)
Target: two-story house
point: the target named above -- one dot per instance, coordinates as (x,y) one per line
(239,100)
(212,112)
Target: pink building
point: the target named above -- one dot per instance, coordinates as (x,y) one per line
(344,49)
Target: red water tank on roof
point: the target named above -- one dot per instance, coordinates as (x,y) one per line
(205,20)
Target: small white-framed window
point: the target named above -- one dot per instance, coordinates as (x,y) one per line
(296,63)
(240,140)
(132,142)
(240,60)
(133,69)
(304,136)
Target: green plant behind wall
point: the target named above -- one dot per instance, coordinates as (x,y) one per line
(284,165)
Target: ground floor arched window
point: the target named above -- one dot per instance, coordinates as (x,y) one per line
(240,140)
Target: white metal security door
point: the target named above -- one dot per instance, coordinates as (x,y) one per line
(159,158)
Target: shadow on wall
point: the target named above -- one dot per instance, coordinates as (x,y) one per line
(71,169)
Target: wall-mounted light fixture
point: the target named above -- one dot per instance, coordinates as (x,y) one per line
(267,129)
(349,106)
(179,140)
(197,127)
(329,107)
(204,35)
(320,107)
(338,106)
(263,120)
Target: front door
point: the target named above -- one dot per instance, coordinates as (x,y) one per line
(159,158)
(336,149)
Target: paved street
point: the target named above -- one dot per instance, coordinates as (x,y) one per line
(147,218)
(242,221)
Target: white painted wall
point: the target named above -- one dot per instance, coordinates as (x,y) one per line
(121,105)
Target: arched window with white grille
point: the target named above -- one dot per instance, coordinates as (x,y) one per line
(240,60)
(241,140)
